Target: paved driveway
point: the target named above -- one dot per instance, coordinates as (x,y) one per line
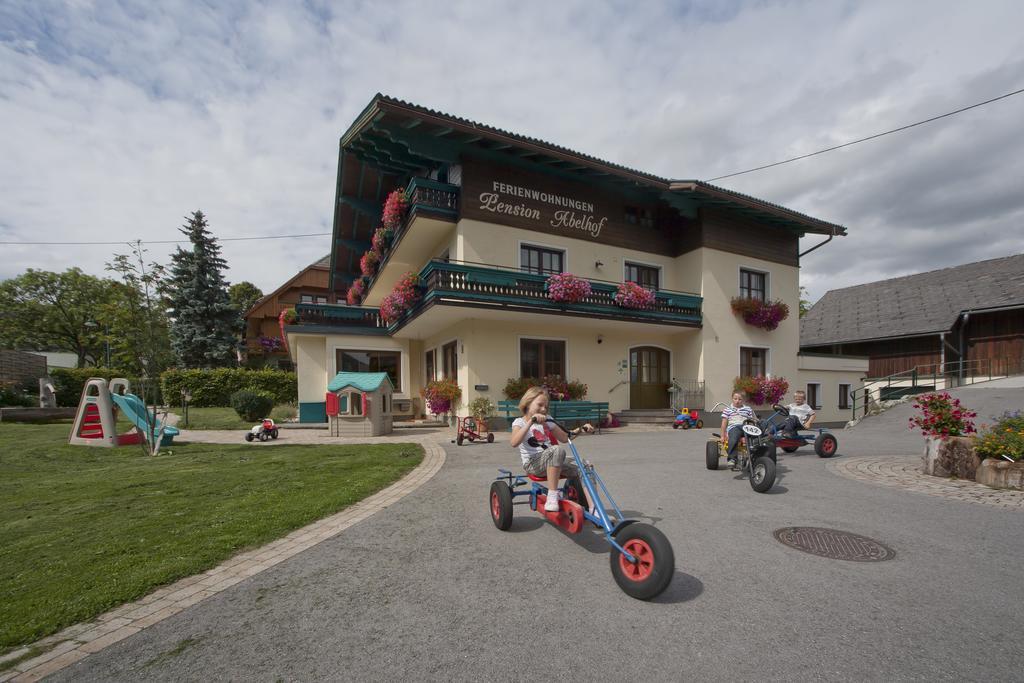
(429,589)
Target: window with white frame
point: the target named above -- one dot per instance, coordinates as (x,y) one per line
(753,361)
(814,395)
(540,260)
(844,395)
(645,276)
(357,360)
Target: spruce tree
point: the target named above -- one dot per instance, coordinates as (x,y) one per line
(203,318)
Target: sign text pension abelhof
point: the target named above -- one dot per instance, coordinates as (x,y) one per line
(565,216)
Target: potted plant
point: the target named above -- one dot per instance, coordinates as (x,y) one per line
(567,288)
(402,298)
(946,426)
(1001,448)
(632,295)
(355,293)
(441,396)
(368,263)
(482,409)
(394,210)
(381,240)
(761,390)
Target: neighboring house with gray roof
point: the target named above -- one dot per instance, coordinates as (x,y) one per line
(974,311)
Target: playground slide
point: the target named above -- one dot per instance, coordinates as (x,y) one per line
(135,410)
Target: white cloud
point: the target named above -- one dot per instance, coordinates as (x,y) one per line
(121,118)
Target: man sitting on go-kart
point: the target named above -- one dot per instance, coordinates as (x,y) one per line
(801,415)
(539,449)
(733,418)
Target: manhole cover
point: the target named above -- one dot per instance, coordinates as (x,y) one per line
(834,544)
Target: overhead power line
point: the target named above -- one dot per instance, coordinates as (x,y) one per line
(870,137)
(219,239)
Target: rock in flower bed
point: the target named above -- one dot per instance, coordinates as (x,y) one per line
(946,426)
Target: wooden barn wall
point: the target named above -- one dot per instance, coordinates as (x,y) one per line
(996,340)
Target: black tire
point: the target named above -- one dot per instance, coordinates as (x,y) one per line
(264,436)
(657,563)
(825,445)
(700,424)
(249,437)
(762,474)
(771,451)
(686,425)
(273,433)
(574,492)
(490,437)
(790,449)
(500,503)
(675,425)
(711,455)
(459,439)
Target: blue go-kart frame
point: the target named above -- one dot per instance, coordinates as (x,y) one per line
(642,559)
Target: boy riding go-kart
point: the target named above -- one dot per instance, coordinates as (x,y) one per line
(745,443)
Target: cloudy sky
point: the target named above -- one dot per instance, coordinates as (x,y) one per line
(118,118)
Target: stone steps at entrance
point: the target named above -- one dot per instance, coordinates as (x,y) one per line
(647,416)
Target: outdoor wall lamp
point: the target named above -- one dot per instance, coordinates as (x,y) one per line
(598,264)
(600,338)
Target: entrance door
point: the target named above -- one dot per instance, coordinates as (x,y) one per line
(648,377)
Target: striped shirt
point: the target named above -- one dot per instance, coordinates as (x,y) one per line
(736,416)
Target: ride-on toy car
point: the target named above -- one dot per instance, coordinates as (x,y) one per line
(825,443)
(688,418)
(473,429)
(756,454)
(642,560)
(265,430)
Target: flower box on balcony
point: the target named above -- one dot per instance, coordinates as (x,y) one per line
(567,288)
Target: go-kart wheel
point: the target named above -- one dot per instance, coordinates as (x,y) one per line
(771,451)
(700,424)
(249,436)
(264,436)
(574,492)
(762,474)
(273,433)
(501,505)
(472,438)
(711,455)
(490,438)
(790,449)
(675,425)
(825,445)
(686,425)
(459,439)
(655,565)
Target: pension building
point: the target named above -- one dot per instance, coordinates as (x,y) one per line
(491,216)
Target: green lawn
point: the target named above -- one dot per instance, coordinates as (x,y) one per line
(227,418)
(85,529)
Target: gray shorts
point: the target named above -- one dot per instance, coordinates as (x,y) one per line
(555,456)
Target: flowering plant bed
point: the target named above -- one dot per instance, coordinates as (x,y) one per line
(764,314)
(270,344)
(567,288)
(394,209)
(942,416)
(441,395)
(402,298)
(1004,439)
(632,295)
(761,390)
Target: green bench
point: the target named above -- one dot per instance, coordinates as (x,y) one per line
(563,411)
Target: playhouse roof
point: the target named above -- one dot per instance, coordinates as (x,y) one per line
(363,381)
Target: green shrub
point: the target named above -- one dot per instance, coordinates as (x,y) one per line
(14,396)
(212,388)
(252,405)
(68,383)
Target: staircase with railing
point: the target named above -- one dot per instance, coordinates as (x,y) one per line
(931,377)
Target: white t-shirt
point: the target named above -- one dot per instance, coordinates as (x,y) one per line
(802,412)
(543,435)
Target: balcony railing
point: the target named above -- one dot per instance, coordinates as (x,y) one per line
(512,288)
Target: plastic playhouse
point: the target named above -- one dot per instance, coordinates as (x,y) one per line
(96,420)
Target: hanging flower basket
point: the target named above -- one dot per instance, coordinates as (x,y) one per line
(441,395)
(394,210)
(764,314)
(632,295)
(567,288)
(401,299)
(368,263)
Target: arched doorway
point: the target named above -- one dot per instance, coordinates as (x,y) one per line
(649,374)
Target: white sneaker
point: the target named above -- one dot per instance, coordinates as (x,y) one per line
(551,504)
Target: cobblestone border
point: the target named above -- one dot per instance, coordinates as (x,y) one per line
(81,640)
(904,472)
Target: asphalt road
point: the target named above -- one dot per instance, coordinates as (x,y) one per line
(430,590)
